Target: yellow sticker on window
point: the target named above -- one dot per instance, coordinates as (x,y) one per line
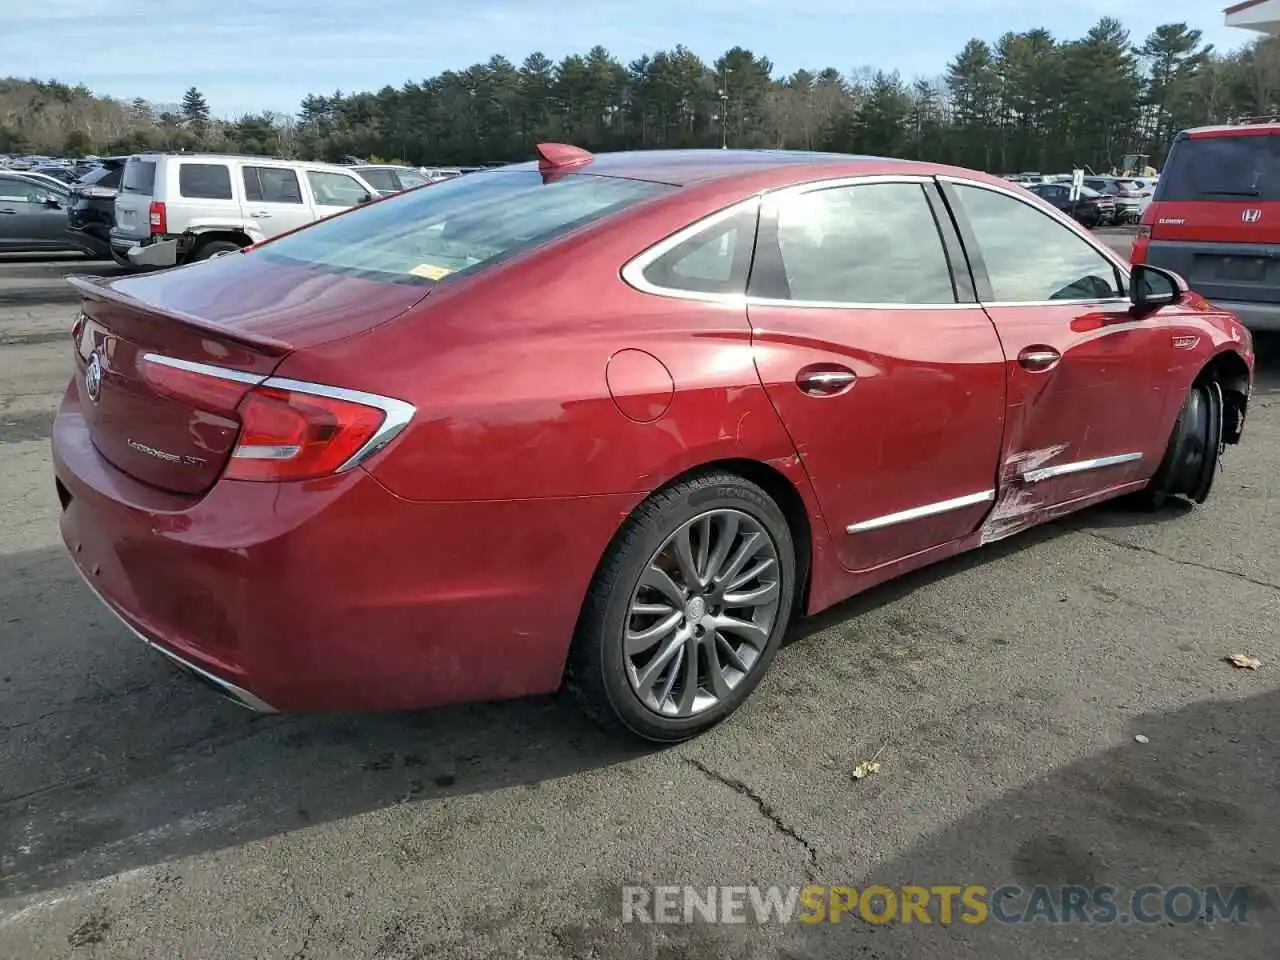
(430,271)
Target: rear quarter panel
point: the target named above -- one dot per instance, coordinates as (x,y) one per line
(508,371)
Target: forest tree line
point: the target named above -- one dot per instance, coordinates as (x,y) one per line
(1028,101)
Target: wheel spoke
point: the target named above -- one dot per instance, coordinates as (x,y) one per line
(748,630)
(724,646)
(657,579)
(683,549)
(638,641)
(756,570)
(726,534)
(718,682)
(750,544)
(673,674)
(704,550)
(653,669)
(689,686)
(765,593)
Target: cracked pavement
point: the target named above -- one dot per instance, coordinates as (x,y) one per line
(143,819)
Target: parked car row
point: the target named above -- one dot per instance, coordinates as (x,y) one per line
(1129,196)
(162,209)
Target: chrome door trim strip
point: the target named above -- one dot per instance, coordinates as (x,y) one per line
(922,512)
(1078,466)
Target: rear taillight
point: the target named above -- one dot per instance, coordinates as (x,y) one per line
(1139,252)
(158,217)
(290,430)
(290,435)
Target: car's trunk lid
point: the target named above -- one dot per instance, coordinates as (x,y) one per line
(234,314)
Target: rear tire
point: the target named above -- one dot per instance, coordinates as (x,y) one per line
(1191,459)
(696,586)
(213,247)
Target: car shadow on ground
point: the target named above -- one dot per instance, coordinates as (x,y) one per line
(1194,806)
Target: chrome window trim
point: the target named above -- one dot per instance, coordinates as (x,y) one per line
(922,512)
(633,271)
(1052,214)
(1078,466)
(397,413)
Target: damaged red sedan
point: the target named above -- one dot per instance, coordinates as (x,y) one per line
(612,421)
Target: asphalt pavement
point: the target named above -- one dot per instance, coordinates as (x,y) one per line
(1001,693)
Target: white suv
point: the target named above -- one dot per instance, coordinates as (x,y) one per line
(176,208)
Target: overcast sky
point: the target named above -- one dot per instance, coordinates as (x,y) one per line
(253,55)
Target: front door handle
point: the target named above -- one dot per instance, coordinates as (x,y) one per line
(1038,358)
(14,212)
(825,380)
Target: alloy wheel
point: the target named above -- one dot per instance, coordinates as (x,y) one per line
(702,613)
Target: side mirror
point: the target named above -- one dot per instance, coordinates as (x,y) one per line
(53,203)
(1152,287)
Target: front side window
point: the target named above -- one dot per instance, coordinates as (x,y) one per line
(715,260)
(874,243)
(335,189)
(204,181)
(459,225)
(13,190)
(1030,257)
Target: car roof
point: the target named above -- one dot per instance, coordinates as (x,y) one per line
(1234,129)
(689,166)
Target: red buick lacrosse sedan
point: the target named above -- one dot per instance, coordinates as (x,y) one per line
(611,421)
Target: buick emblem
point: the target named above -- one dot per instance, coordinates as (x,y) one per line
(93,378)
(1251,216)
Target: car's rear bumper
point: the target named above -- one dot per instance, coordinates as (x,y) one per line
(334,595)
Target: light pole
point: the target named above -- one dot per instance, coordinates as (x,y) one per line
(724,109)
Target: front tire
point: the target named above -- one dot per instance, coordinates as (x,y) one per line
(1191,459)
(686,611)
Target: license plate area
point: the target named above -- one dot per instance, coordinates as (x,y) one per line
(1230,269)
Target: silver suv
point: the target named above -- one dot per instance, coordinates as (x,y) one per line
(177,208)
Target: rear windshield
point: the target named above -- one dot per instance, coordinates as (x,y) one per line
(139,177)
(1223,168)
(458,225)
(105,177)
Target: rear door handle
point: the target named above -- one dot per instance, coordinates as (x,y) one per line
(14,212)
(1038,358)
(825,380)
(260,215)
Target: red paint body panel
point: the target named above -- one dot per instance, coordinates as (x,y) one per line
(550,399)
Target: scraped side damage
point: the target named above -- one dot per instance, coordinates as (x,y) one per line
(1018,501)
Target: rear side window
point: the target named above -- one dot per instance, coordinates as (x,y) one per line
(865,244)
(458,226)
(139,177)
(205,181)
(410,179)
(716,260)
(1222,168)
(381,180)
(271,185)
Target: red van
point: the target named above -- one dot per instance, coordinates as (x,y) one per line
(1215,218)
